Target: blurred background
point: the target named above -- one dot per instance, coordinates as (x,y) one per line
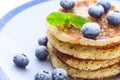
(7,5)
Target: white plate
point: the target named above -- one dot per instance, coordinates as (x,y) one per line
(20,35)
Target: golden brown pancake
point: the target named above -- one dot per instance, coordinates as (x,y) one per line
(84,64)
(82,52)
(109,35)
(81,57)
(81,74)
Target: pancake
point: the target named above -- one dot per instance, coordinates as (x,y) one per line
(109,35)
(98,74)
(82,52)
(84,64)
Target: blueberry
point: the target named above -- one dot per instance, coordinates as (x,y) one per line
(59,74)
(42,76)
(67,4)
(90,30)
(41,53)
(105,3)
(96,10)
(21,60)
(43,41)
(113,17)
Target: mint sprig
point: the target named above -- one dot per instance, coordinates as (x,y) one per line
(61,18)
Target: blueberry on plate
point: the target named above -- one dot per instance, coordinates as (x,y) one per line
(95,10)
(67,4)
(105,3)
(43,41)
(41,53)
(21,60)
(113,17)
(42,76)
(59,74)
(90,30)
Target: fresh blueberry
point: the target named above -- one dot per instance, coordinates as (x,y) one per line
(59,74)
(21,60)
(113,17)
(42,76)
(43,41)
(41,53)
(96,10)
(67,4)
(105,3)
(91,30)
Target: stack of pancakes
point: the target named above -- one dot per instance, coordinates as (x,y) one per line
(81,57)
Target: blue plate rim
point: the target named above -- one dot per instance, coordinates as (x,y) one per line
(7,17)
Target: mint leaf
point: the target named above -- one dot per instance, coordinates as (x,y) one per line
(57,18)
(77,20)
(60,18)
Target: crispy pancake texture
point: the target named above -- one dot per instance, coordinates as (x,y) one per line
(81,74)
(83,52)
(109,35)
(84,64)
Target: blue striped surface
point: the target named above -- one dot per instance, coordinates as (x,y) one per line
(10,15)
(17,10)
